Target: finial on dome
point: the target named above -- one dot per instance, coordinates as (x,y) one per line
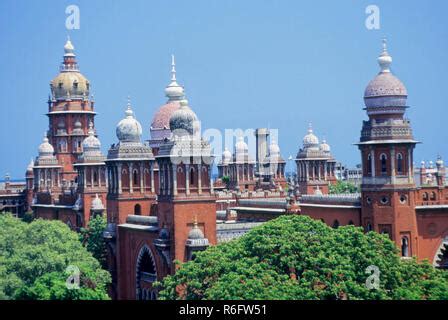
(68,47)
(384,59)
(174,91)
(129,112)
(310,127)
(173,68)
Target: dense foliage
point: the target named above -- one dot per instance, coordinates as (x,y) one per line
(296,257)
(34,261)
(92,238)
(343,187)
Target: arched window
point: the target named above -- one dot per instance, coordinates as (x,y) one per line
(369,227)
(336,224)
(146,274)
(425,196)
(95,177)
(369,164)
(399,163)
(383,159)
(137,210)
(135,179)
(433,196)
(405,247)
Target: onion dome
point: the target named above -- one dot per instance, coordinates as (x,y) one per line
(91,145)
(310,140)
(226,156)
(97,204)
(241,146)
(129,129)
(30,166)
(195,233)
(183,120)
(69,83)
(274,149)
(174,91)
(385,90)
(46,150)
(324,146)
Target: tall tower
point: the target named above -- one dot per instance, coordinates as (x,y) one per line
(92,178)
(69,111)
(386,147)
(186,204)
(130,167)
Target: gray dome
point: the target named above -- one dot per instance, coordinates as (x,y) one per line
(385,90)
(91,144)
(195,233)
(310,140)
(129,129)
(183,119)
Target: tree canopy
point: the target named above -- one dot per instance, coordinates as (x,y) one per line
(37,258)
(296,257)
(92,238)
(343,187)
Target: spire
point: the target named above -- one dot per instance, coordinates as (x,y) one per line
(384,59)
(174,91)
(310,127)
(173,69)
(129,113)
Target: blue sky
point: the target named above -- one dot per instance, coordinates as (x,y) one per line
(244,64)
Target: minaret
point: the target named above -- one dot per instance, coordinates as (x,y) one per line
(185,165)
(130,167)
(70,112)
(386,146)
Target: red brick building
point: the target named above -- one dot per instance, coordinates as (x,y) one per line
(160,202)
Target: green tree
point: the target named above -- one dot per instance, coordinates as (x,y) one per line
(343,187)
(92,238)
(34,258)
(296,257)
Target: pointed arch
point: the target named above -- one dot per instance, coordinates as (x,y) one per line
(145,272)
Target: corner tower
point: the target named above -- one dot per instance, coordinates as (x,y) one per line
(386,146)
(69,111)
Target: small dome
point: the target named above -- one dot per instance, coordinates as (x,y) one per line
(164,233)
(195,233)
(226,156)
(241,146)
(310,140)
(274,149)
(324,146)
(46,149)
(183,119)
(91,143)
(129,129)
(30,166)
(385,90)
(97,204)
